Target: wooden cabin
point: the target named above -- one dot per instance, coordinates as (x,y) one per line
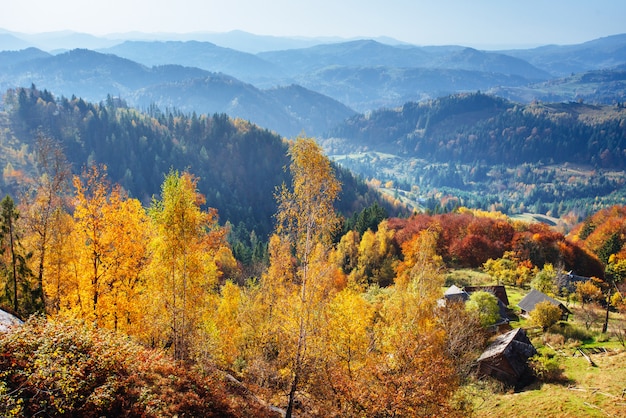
(506,359)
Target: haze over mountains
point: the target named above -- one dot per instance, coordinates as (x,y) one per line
(292,86)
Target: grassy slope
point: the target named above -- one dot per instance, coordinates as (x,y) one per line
(590,392)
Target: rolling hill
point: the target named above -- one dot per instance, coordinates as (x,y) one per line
(93,76)
(490,153)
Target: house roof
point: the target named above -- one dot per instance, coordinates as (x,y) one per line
(534,297)
(499,345)
(497,290)
(514,346)
(507,357)
(455,293)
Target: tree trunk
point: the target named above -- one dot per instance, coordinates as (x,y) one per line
(605,327)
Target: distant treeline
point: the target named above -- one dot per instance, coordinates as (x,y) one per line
(477,127)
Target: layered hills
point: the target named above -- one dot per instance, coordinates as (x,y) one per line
(340,77)
(548,135)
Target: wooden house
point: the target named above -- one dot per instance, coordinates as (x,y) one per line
(497,290)
(530,301)
(455,294)
(506,359)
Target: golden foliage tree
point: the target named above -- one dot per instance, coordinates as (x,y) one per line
(545,314)
(183,272)
(307,219)
(42,205)
(110,239)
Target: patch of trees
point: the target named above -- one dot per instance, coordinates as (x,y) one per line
(469,240)
(345,323)
(303,327)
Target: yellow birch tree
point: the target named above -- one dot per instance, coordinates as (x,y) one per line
(182,270)
(306,218)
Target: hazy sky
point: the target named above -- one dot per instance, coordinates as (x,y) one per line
(435,22)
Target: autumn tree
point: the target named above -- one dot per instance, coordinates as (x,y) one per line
(183,270)
(409,371)
(375,258)
(128,227)
(92,192)
(545,314)
(422,268)
(485,306)
(43,203)
(465,337)
(588,291)
(545,280)
(62,266)
(307,219)
(109,241)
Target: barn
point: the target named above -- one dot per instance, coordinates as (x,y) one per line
(506,359)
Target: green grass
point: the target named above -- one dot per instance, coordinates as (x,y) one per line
(468,277)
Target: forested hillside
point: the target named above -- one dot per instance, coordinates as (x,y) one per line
(470,128)
(93,76)
(239,165)
(485,151)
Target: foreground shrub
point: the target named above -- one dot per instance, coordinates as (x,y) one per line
(547,368)
(572,333)
(63,369)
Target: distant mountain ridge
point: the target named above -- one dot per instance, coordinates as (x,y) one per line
(204,55)
(354,76)
(94,76)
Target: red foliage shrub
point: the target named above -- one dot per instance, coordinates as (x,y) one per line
(67,369)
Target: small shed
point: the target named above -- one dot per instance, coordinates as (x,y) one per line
(530,301)
(506,359)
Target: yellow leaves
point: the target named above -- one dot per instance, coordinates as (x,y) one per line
(306,212)
(349,324)
(185,258)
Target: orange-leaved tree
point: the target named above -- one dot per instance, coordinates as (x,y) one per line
(110,241)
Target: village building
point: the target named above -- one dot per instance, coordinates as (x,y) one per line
(457,294)
(506,359)
(567,281)
(534,297)
(498,291)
